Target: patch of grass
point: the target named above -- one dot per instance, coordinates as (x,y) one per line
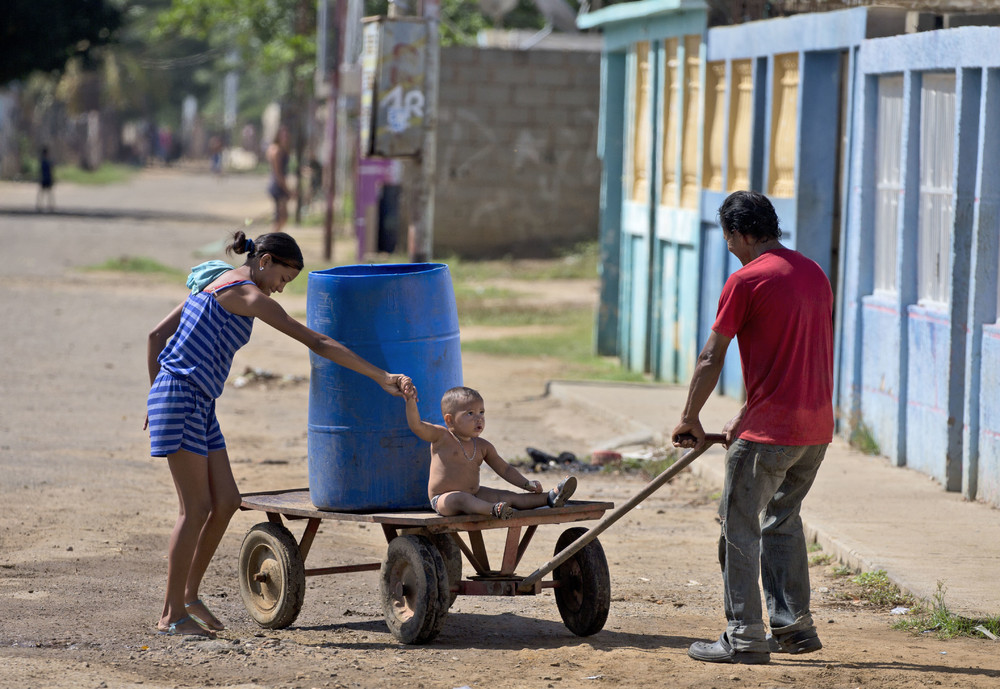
(842,571)
(647,468)
(138,264)
(511,313)
(489,305)
(814,547)
(471,294)
(862,439)
(820,559)
(573,344)
(108,173)
(575,263)
(936,617)
(876,589)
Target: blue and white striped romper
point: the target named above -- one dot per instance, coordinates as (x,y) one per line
(193,370)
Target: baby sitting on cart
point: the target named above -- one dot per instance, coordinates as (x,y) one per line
(457,452)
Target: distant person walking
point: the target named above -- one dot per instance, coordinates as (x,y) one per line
(215,148)
(278,154)
(46,181)
(779,306)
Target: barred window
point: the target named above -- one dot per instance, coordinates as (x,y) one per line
(937,188)
(888,181)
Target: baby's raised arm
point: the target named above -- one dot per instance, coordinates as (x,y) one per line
(507,472)
(428,432)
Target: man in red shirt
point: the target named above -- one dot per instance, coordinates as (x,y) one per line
(779,306)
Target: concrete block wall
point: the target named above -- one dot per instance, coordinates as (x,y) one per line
(517,167)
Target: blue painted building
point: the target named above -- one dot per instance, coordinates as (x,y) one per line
(650,70)
(920,344)
(835,116)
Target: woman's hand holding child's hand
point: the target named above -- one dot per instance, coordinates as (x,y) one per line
(410,390)
(395,384)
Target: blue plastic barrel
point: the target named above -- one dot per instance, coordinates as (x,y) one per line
(402,318)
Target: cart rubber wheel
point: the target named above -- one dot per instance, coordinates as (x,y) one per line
(414,589)
(272,575)
(452,555)
(583,594)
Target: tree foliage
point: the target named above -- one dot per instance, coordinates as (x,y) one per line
(45,34)
(270,35)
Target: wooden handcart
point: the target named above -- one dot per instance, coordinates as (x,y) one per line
(421,574)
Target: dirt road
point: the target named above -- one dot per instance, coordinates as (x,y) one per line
(87,512)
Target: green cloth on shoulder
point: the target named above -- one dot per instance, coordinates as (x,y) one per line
(203,275)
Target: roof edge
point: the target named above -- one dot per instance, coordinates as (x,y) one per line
(635,10)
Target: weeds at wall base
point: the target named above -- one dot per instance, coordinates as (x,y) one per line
(934,617)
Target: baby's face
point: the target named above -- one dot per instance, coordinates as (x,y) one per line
(469,420)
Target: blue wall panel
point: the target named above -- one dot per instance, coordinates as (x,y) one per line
(980,456)
(675,328)
(665,327)
(635,283)
(929,347)
(880,373)
(988,479)
(610,150)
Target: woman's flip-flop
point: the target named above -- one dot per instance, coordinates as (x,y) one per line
(172,629)
(210,627)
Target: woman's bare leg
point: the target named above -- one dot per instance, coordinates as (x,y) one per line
(225,500)
(191,479)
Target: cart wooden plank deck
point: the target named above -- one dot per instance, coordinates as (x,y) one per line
(421,574)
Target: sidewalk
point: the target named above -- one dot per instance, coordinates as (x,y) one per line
(863,511)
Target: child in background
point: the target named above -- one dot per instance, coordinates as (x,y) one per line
(457,452)
(46,180)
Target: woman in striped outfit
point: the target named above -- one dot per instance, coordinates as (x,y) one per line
(190,355)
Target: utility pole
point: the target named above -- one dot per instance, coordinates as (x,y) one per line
(335,43)
(421,238)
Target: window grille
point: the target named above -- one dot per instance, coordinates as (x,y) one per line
(888,181)
(937,188)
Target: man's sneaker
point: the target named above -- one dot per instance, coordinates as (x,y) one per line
(805,641)
(721,652)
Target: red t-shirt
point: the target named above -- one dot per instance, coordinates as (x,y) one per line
(779,307)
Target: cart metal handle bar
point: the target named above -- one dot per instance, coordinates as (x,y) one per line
(527,585)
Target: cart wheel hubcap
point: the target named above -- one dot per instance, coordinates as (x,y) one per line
(265,579)
(403,585)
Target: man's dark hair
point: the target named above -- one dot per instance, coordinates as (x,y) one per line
(749,213)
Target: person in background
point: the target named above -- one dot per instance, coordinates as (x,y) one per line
(46,181)
(278,154)
(215,149)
